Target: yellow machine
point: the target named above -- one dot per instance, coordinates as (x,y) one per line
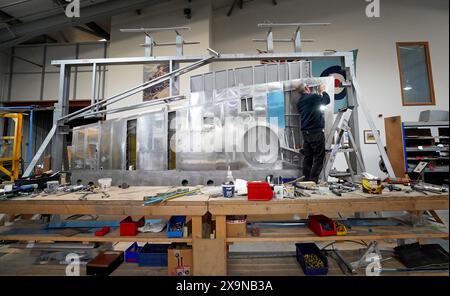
(341,229)
(11,145)
(372,186)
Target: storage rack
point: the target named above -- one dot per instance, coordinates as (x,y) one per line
(429,142)
(409,143)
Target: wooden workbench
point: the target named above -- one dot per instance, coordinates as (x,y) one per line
(121,202)
(124,202)
(330,204)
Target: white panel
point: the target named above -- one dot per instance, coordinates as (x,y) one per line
(51,86)
(84,85)
(33,54)
(59,53)
(91,51)
(26,87)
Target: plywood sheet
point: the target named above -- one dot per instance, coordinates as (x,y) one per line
(211,256)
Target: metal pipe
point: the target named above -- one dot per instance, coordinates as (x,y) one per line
(144,30)
(269,25)
(142,105)
(281,40)
(30,137)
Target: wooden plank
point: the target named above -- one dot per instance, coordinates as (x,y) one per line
(304,234)
(113,236)
(121,202)
(348,203)
(106,208)
(210,257)
(197,227)
(221,226)
(394,144)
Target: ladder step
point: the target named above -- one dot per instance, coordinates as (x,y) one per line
(346,150)
(337,174)
(342,150)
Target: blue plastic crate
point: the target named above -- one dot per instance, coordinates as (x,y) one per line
(176,233)
(311,248)
(153,255)
(132,253)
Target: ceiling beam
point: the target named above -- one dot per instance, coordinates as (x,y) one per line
(28,30)
(7,16)
(98,30)
(230,11)
(12,21)
(14,4)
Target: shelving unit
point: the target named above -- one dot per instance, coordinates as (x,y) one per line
(409,143)
(210,254)
(328,205)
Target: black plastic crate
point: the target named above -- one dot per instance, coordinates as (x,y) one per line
(416,255)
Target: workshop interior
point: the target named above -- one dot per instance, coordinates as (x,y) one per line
(224,138)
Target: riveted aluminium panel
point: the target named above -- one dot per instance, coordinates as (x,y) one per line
(112,144)
(151,148)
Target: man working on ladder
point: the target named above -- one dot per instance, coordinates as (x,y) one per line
(310,107)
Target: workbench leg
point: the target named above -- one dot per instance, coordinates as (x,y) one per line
(221,233)
(197,231)
(221,227)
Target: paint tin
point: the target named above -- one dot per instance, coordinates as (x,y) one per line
(228,191)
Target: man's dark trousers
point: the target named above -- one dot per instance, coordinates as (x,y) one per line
(314,154)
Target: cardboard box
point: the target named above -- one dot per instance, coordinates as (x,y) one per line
(237,228)
(47,163)
(179,260)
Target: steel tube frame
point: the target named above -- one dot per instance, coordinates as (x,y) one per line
(174,62)
(133,91)
(61,111)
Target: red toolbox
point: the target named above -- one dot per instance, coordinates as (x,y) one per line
(322,225)
(128,227)
(259,191)
(105,230)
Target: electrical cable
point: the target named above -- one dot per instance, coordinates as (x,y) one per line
(352,241)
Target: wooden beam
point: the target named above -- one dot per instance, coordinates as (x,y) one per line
(98,31)
(349,203)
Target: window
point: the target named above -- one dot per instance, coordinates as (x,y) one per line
(415,73)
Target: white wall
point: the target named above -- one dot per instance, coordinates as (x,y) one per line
(169,14)
(377,67)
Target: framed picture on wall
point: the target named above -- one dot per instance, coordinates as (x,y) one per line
(160,90)
(369,137)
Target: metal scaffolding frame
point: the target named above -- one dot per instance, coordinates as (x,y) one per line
(61,115)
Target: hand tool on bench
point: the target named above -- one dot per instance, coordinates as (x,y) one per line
(392,187)
(150,200)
